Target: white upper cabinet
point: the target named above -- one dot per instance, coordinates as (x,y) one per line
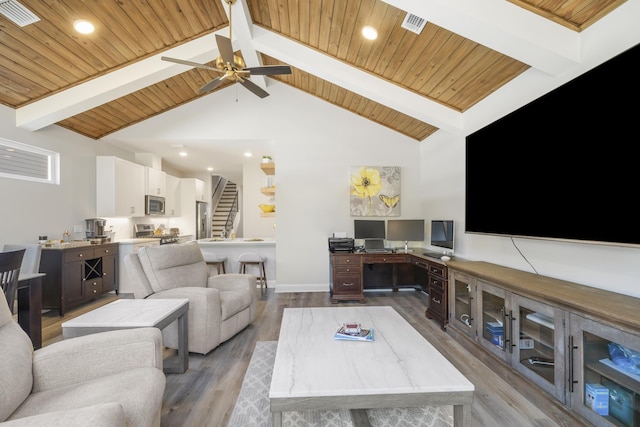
(120,187)
(172,199)
(155,182)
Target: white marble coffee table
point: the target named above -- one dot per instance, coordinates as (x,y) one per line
(398,369)
(138,313)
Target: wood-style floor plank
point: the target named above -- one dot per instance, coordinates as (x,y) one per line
(205,395)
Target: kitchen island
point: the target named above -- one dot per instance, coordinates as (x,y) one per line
(232,248)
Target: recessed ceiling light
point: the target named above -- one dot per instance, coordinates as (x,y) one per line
(183,153)
(369,33)
(247,154)
(84,27)
(209,168)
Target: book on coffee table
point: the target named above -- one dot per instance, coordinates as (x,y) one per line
(361,334)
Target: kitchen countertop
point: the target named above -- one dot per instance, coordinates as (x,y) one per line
(73,244)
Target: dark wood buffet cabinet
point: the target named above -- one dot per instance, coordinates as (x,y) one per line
(353,272)
(76,274)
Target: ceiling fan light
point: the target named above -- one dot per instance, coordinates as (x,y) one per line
(369,33)
(83,27)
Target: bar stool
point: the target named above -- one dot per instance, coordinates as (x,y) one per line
(215,260)
(252,258)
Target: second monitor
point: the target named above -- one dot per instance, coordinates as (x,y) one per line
(405,230)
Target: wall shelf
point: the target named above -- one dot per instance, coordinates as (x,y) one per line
(268,168)
(268,191)
(267,214)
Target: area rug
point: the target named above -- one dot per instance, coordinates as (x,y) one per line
(252,406)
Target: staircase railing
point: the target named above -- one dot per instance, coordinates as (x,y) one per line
(232,214)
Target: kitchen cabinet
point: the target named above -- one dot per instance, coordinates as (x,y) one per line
(556,334)
(155,182)
(172,197)
(120,187)
(346,277)
(77,274)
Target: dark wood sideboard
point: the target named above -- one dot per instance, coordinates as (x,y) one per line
(77,274)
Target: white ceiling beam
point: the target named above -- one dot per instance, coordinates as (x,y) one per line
(355,80)
(114,85)
(505,28)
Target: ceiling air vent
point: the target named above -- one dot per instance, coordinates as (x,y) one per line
(414,23)
(17,13)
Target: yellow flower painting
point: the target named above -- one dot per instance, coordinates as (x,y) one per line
(375,191)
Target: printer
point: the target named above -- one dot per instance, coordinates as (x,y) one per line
(341,244)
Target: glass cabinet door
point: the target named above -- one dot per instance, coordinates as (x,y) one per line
(538,351)
(604,376)
(461,303)
(494,321)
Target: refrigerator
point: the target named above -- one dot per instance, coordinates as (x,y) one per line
(203,224)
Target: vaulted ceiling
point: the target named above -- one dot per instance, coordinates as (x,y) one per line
(412,83)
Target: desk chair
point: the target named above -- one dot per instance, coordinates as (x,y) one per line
(9,271)
(215,260)
(31,260)
(254,259)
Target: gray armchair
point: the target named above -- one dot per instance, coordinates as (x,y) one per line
(107,379)
(220,305)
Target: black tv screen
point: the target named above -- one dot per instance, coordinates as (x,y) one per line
(368,229)
(563,166)
(406,230)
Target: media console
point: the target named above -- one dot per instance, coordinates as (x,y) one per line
(354,273)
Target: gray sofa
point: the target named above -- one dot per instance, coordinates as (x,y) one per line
(108,379)
(220,306)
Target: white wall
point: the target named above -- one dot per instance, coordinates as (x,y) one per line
(314,145)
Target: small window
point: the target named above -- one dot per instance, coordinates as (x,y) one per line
(21,161)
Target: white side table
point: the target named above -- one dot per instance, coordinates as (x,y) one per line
(138,313)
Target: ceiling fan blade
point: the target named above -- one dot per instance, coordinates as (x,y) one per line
(253,88)
(192,64)
(269,70)
(212,84)
(225,48)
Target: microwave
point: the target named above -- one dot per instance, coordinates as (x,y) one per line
(154,205)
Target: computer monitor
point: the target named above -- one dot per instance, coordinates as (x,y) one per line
(368,229)
(405,230)
(442,234)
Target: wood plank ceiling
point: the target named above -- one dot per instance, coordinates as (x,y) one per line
(46,58)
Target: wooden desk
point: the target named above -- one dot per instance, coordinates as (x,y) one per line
(30,306)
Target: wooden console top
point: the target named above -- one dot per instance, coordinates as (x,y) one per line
(599,304)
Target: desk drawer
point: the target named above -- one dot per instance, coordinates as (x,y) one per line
(100,252)
(436,283)
(436,302)
(438,270)
(346,269)
(346,260)
(385,259)
(347,284)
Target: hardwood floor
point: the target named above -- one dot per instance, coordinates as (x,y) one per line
(205,395)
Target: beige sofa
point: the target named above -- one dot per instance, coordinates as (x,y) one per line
(220,306)
(107,379)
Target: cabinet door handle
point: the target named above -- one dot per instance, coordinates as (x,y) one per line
(106,251)
(348,270)
(80,255)
(572,347)
(347,284)
(437,301)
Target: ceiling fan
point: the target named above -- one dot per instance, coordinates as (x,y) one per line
(232,66)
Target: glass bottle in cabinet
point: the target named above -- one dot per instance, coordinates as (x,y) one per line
(461,302)
(538,344)
(604,373)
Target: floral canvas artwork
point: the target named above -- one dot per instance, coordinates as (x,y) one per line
(375,191)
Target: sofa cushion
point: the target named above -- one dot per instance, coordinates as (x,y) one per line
(174,266)
(16,351)
(232,302)
(139,391)
(100,415)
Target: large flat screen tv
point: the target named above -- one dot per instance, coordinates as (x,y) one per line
(564,166)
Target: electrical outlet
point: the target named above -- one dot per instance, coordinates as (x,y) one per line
(77,228)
